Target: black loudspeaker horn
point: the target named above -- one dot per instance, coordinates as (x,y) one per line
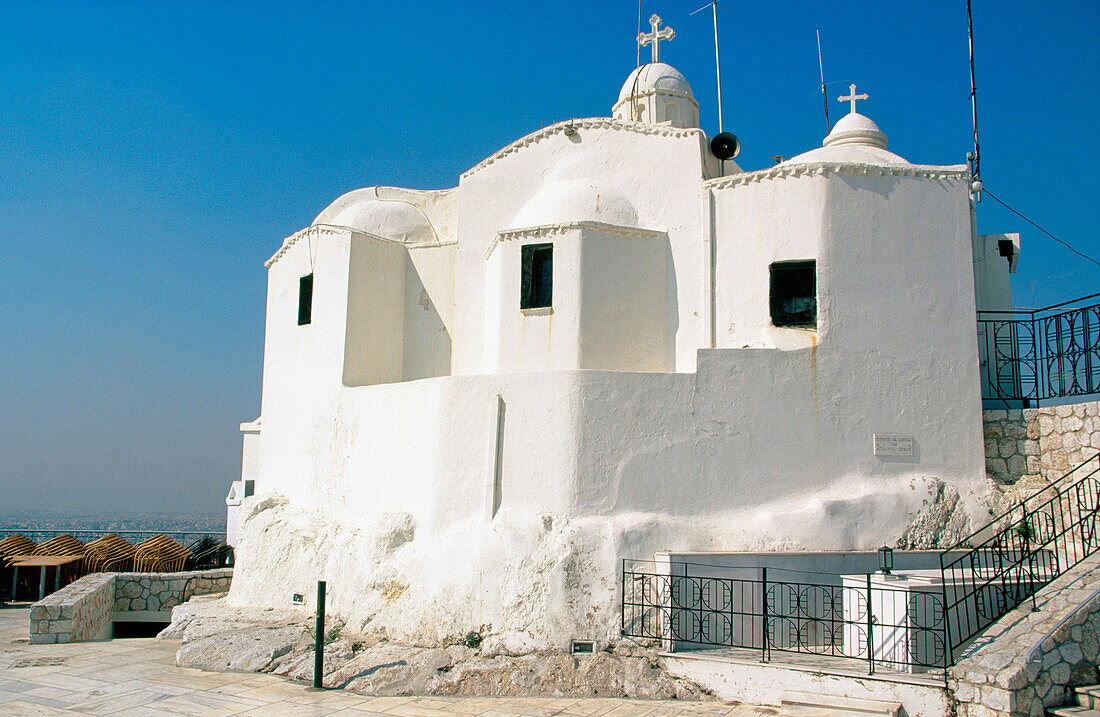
(725,145)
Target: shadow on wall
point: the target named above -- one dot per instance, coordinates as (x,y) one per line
(427,341)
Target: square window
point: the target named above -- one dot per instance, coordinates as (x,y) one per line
(537,282)
(794,293)
(305,299)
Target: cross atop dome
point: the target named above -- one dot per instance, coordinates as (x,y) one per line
(853,97)
(655,36)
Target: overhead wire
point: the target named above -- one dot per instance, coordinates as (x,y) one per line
(1081,254)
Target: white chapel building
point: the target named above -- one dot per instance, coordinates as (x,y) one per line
(605,342)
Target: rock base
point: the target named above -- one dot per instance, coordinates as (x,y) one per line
(216,636)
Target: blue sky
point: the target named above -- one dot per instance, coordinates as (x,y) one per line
(153,155)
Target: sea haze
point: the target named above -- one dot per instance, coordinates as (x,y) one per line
(15,520)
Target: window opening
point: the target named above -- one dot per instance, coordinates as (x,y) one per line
(794,293)
(305,299)
(536,287)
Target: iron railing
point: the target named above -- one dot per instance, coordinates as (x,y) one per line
(185,537)
(857,617)
(1002,565)
(1042,354)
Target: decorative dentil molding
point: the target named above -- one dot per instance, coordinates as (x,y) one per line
(824,169)
(319,230)
(548,230)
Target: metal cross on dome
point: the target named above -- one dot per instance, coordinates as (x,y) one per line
(853,97)
(655,36)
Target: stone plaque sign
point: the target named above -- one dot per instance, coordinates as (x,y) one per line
(893,444)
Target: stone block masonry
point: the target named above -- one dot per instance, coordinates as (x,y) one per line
(85,609)
(1040,442)
(1029,661)
(80,611)
(160,592)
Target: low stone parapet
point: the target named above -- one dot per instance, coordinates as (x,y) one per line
(85,609)
(1030,660)
(160,592)
(80,611)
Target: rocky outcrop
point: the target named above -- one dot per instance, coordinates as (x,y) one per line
(216,636)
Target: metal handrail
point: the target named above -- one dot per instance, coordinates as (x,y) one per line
(1024,549)
(1036,355)
(858,620)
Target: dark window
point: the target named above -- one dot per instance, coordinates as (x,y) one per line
(305,299)
(537,284)
(794,293)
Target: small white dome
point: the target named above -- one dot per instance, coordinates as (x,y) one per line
(855,139)
(657,93)
(576,200)
(362,210)
(655,76)
(855,128)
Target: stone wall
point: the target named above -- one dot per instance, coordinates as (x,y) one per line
(1040,442)
(85,609)
(1029,661)
(160,592)
(79,611)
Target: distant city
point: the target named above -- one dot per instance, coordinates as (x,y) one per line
(31,520)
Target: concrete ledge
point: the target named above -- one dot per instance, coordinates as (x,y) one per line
(766,683)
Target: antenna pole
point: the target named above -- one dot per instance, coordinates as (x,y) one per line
(638,60)
(976,172)
(821,67)
(717,61)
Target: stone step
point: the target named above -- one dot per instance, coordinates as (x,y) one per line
(1088,696)
(1073,712)
(805,704)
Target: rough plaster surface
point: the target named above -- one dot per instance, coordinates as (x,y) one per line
(218,636)
(1029,661)
(1040,443)
(535,583)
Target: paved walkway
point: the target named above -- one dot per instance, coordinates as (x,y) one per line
(139,677)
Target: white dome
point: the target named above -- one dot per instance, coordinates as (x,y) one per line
(855,128)
(655,76)
(362,210)
(576,200)
(855,139)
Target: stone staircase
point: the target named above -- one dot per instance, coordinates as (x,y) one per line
(1088,701)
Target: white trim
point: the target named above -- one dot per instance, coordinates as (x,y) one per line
(544,230)
(583,124)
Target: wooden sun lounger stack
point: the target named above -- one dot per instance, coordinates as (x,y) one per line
(110,553)
(11,546)
(160,554)
(59,546)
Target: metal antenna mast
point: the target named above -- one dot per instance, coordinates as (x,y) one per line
(717,59)
(824,97)
(976,159)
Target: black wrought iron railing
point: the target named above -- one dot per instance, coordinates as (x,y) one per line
(1005,563)
(858,617)
(1042,354)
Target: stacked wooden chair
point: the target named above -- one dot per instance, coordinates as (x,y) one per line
(64,545)
(108,554)
(208,553)
(160,554)
(9,547)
